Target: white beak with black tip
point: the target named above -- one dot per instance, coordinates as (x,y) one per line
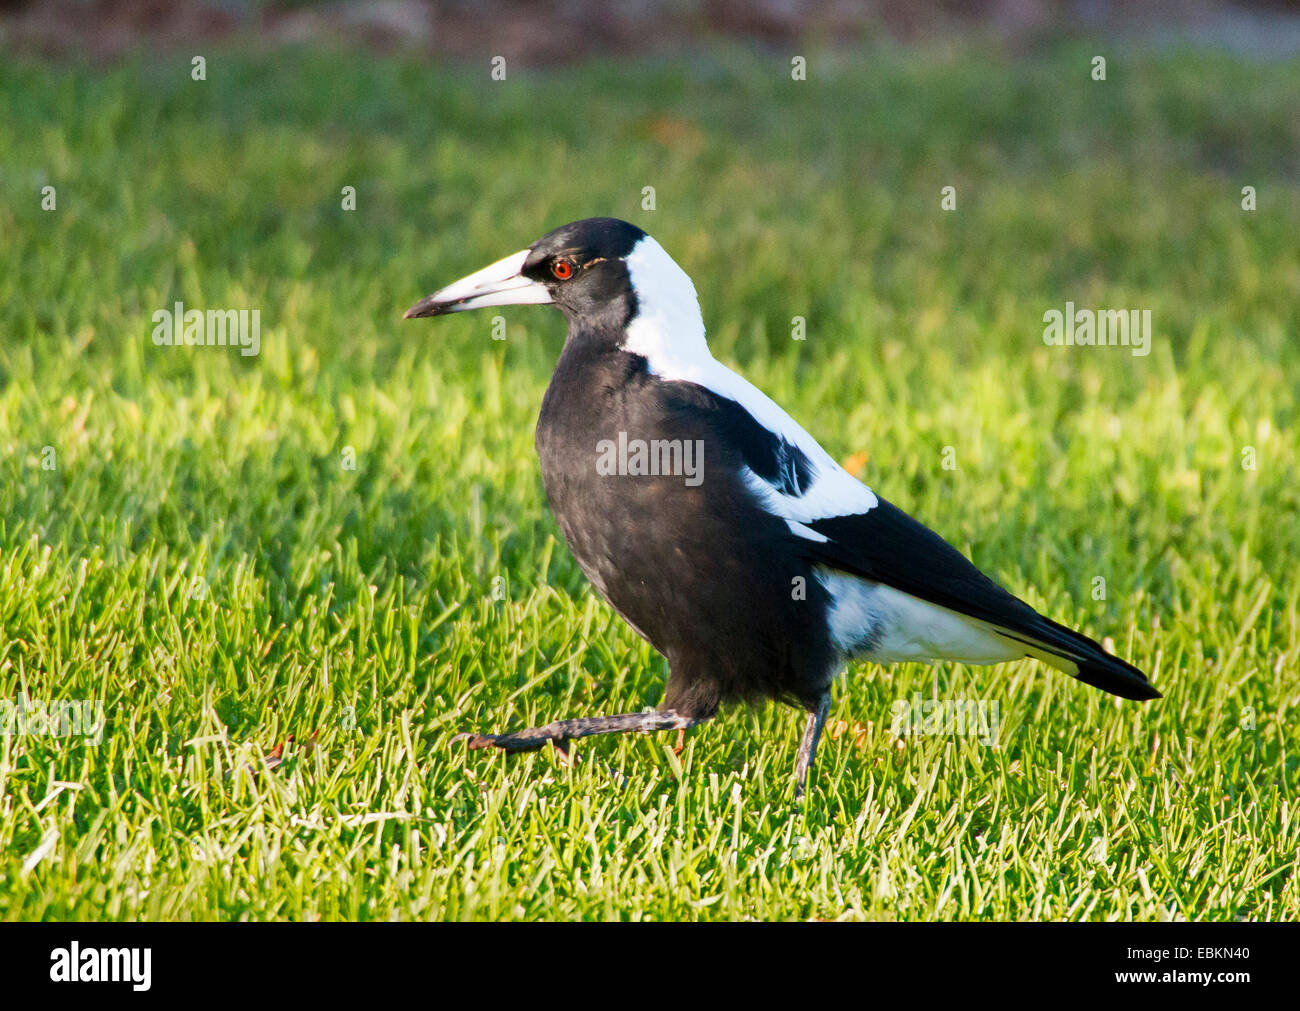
(500,284)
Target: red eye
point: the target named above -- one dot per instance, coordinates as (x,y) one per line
(562,269)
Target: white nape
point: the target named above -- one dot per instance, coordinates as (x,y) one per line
(668,332)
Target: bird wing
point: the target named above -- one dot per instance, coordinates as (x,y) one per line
(887,546)
(842,524)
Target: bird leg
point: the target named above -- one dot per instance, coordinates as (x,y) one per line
(812,733)
(681,740)
(568,730)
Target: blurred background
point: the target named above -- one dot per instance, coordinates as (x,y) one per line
(561,31)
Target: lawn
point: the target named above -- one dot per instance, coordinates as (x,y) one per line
(344,538)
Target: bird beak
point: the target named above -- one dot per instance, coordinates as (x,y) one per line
(500,284)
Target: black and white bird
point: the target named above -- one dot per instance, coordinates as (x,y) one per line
(759,568)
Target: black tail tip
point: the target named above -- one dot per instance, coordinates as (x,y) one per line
(1111,674)
(1126,688)
(1146,692)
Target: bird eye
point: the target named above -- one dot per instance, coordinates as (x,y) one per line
(562,269)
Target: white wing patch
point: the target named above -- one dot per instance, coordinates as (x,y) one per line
(833,493)
(799,530)
(876,622)
(668,331)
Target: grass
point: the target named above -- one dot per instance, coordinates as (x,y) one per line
(200,560)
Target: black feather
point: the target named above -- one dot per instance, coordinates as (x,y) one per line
(887,546)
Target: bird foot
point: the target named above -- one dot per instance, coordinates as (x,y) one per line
(476,742)
(510,742)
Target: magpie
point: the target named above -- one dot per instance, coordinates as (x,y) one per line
(715,525)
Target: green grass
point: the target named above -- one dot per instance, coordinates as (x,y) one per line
(200,561)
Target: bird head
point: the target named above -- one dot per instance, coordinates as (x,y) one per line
(579,267)
(602,273)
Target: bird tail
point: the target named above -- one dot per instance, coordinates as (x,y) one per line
(1082,658)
